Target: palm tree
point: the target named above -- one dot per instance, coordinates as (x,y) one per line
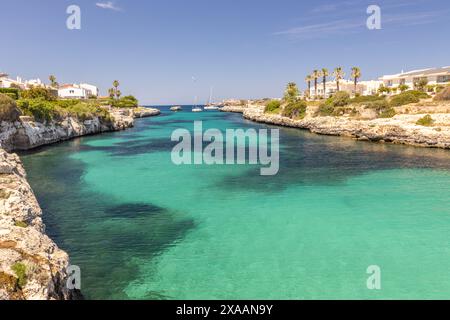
(291,93)
(308,81)
(53,82)
(315,76)
(338,75)
(356,74)
(325,74)
(111,93)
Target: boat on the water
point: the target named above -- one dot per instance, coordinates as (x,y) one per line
(197,109)
(210,105)
(176,108)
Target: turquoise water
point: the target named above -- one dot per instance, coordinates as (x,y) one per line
(142,228)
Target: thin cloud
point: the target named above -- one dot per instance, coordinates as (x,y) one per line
(108,5)
(345,26)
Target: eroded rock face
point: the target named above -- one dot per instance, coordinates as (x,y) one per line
(401,129)
(145,112)
(27,134)
(31,264)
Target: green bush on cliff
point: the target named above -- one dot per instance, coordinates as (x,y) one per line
(8,109)
(272,106)
(39,93)
(426,121)
(387,113)
(363,99)
(295,109)
(407,97)
(43,111)
(11,92)
(382,107)
(21,273)
(125,102)
(40,109)
(325,109)
(340,99)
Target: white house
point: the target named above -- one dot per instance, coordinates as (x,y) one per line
(362,88)
(6,82)
(433,76)
(91,89)
(72,91)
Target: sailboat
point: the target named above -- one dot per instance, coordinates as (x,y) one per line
(196,108)
(210,105)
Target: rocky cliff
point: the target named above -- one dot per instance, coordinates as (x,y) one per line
(26,133)
(401,129)
(31,264)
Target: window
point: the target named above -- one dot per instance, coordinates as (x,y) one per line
(390,83)
(445,78)
(72,91)
(402,81)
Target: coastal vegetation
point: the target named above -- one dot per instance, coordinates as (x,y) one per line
(295,109)
(8,109)
(43,110)
(21,272)
(44,105)
(426,121)
(273,106)
(292,105)
(341,103)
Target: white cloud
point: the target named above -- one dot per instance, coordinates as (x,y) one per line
(108,5)
(345,26)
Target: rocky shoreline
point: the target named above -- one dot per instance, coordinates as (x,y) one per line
(31,264)
(401,129)
(26,134)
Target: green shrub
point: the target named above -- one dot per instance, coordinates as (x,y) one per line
(362,99)
(40,109)
(387,113)
(404,98)
(44,111)
(295,109)
(12,92)
(418,94)
(426,121)
(272,106)
(20,224)
(340,99)
(326,109)
(21,273)
(38,93)
(443,95)
(125,102)
(382,107)
(8,109)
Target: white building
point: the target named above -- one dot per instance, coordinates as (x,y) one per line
(91,89)
(6,82)
(78,91)
(363,88)
(72,91)
(433,76)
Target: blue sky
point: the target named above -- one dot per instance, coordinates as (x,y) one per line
(243,48)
